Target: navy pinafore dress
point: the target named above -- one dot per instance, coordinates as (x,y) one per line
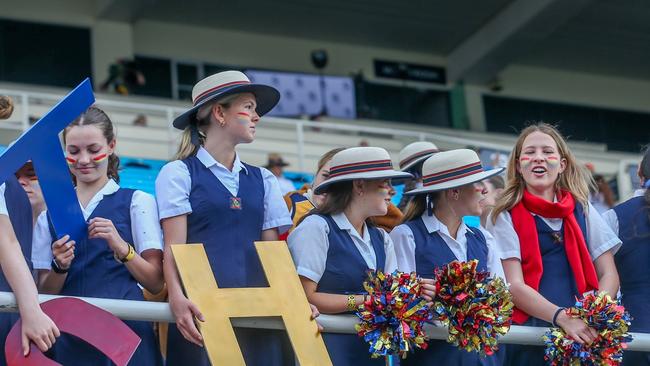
(557,285)
(431,252)
(632,261)
(20,214)
(95,273)
(345,271)
(228,235)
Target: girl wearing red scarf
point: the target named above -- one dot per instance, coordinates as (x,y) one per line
(554,244)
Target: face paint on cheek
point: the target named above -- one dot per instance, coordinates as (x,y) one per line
(243,118)
(70,161)
(525,161)
(553,161)
(98,159)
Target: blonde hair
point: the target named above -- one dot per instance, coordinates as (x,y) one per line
(574,179)
(327,157)
(201,121)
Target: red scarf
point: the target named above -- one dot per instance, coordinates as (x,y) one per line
(574,242)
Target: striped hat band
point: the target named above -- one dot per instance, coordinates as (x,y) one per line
(216,90)
(416,156)
(360,167)
(455,173)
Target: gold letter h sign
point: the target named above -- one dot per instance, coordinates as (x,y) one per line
(284,297)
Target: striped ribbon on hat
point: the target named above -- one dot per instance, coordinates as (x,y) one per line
(450,174)
(360,167)
(216,90)
(416,156)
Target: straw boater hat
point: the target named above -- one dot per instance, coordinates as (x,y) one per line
(223,84)
(360,163)
(451,169)
(414,153)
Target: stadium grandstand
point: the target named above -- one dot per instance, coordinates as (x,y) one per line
(459,74)
(455,73)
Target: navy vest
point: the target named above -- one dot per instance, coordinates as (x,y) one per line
(94,265)
(558,283)
(20,214)
(345,269)
(228,233)
(431,251)
(633,258)
(95,273)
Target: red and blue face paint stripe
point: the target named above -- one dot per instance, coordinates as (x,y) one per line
(450,174)
(361,167)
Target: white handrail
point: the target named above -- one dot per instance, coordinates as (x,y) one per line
(161,312)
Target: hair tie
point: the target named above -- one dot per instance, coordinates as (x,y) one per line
(195,138)
(429,205)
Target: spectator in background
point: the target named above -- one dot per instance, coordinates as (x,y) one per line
(6,107)
(29,181)
(123,77)
(276,165)
(140,120)
(600,194)
(364,143)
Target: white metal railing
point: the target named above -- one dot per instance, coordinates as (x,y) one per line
(160,312)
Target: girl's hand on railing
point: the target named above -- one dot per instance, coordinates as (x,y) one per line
(576,329)
(185,312)
(315,314)
(63,252)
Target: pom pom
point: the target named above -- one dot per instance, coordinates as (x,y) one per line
(6,107)
(393,314)
(476,308)
(608,318)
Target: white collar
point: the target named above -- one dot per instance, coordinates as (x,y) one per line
(208,161)
(344,224)
(109,188)
(433,224)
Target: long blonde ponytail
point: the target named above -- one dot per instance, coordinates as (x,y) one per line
(202,121)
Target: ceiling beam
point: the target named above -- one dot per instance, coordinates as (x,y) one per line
(121,10)
(514,30)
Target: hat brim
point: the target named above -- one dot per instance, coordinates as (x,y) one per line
(389,174)
(456,182)
(266,97)
(413,163)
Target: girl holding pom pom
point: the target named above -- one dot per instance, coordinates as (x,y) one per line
(433,234)
(554,245)
(335,245)
(631,221)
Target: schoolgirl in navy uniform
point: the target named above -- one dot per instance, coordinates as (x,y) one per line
(554,245)
(631,221)
(15,259)
(433,234)
(335,245)
(123,247)
(208,195)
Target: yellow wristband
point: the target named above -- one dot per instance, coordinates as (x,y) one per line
(130,255)
(352,303)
